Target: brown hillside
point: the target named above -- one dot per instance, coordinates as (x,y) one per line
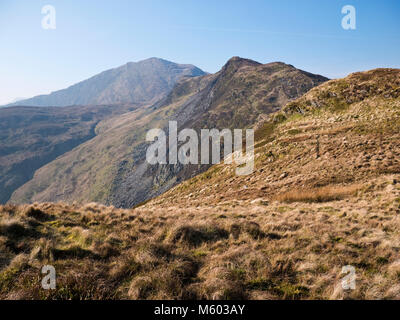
(325,193)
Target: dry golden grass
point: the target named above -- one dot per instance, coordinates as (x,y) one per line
(321,194)
(230,250)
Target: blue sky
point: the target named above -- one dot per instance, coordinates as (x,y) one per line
(92,36)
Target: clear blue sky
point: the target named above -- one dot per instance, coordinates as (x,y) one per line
(92,36)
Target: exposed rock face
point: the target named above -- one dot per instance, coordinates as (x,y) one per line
(232,98)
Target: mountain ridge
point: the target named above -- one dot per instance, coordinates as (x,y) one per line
(112,163)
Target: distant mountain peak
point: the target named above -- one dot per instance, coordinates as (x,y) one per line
(142,82)
(150,60)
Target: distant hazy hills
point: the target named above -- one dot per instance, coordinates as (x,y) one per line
(31,137)
(134,83)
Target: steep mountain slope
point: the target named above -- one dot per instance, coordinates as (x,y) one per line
(30,137)
(112,168)
(142,82)
(337,133)
(325,194)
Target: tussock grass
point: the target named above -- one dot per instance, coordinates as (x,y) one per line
(37,214)
(321,194)
(196,235)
